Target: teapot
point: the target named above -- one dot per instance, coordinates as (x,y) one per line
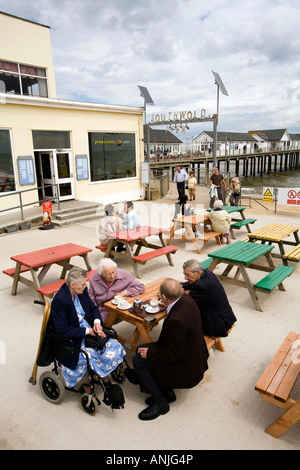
(137,305)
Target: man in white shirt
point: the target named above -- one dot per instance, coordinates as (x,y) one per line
(180,178)
(131,219)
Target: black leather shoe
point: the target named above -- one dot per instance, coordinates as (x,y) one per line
(169,395)
(159,407)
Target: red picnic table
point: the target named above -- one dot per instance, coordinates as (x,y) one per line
(136,239)
(39,262)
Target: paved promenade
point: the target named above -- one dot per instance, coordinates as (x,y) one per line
(223,412)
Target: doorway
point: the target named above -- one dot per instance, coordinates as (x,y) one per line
(55,173)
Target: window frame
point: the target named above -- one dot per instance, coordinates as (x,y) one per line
(22,75)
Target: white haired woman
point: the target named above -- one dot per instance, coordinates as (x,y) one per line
(109,281)
(220,220)
(73,316)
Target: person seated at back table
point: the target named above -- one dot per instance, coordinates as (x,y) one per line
(130,220)
(109,281)
(209,294)
(107,224)
(220,221)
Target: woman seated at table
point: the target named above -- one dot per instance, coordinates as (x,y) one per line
(74,316)
(220,220)
(109,281)
(109,223)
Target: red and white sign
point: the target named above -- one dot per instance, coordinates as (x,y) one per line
(289,196)
(47,212)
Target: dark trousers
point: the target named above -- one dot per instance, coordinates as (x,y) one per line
(181,188)
(144,371)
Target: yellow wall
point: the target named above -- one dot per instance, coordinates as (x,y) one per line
(22,119)
(27,43)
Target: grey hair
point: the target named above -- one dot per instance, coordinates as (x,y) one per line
(75,275)
(105,262)
(193,265)
(218,204)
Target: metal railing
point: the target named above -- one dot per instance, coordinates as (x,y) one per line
(21,205)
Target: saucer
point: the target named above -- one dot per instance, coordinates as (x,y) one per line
(125,308)
(152,309)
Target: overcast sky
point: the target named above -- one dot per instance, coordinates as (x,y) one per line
(103,49)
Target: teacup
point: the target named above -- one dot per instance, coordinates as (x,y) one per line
(118,298)
(124,304)
(154,303)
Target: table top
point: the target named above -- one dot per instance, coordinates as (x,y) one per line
(192,219)
(231,209)
(151,291)
(241,252)
(135,233)
(274,232)
(50,255)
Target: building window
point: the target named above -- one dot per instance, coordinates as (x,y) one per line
(112,155)
(7,179)
(22,79)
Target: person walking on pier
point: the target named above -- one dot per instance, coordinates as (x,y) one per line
(180,178)
(218,180)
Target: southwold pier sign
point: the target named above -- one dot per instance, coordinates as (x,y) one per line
(175,120)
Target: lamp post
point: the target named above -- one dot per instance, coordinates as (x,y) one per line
(220,85)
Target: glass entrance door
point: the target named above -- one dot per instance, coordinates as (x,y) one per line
(64,174)
(56,169)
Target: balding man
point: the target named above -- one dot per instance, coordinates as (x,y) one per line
(178,359)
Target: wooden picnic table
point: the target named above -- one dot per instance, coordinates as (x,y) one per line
(135,239)
(277,382)
(189,223)
(276,233)
(232,209)
(40,261)
(244,255)
(141,328)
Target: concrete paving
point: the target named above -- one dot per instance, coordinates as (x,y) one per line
(223,412)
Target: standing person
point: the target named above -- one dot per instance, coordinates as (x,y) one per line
(192,182)
(220,221)
(205,288)
(180,178)
(218,180)
(235,195)
(178,359)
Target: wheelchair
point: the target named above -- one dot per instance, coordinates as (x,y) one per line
(52,384)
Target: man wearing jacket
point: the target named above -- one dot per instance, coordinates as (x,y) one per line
(178,359)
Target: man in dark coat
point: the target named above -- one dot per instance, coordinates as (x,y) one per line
(207,291)
(178,359)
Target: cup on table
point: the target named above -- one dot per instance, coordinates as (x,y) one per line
(119,298)
(154,303)
(124,304)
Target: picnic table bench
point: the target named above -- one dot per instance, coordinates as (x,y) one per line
(293,254)
(277,382)
(51,289)
(217,342)
(240,224)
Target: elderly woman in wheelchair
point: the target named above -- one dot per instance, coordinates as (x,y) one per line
(80,345)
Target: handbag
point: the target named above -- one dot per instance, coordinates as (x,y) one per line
(98,342)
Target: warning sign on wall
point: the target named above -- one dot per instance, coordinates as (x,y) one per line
(289,196)
(268,194)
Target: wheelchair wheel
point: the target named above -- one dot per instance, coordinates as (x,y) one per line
(89,403)
(52,387)
(118,374)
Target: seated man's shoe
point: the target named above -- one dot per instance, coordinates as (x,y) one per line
(159,407)
(168,394)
